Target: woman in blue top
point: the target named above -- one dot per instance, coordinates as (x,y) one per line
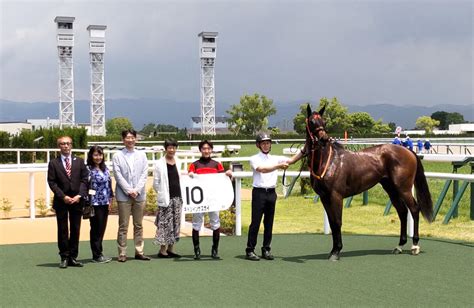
(101,194)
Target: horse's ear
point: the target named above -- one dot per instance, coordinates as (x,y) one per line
(321,111)
(308,110)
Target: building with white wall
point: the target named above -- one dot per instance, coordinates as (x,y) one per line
(14,128)
(43,123)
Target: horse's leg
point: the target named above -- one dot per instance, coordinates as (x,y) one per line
(415,213)
(402,211)
(333,207)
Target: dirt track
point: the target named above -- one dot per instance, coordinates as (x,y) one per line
(19,228)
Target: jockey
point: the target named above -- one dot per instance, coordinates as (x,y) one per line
(206,165)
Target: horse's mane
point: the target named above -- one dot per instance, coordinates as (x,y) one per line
(337,145)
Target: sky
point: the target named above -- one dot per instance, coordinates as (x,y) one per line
(411,52)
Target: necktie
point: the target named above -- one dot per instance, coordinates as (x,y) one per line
(68,167)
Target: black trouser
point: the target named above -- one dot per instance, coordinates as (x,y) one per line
(263,204)
(68,243)
(98,225)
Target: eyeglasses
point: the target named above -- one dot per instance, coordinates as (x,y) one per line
(65,143)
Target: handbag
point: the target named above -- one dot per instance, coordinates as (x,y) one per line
(88,210)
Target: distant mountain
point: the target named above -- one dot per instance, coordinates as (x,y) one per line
(404,116)
(148,110)
(139,111)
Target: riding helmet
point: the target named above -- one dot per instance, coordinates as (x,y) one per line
(263,137)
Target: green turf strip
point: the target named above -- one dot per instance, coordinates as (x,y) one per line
(367,275)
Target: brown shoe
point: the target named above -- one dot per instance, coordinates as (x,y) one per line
(122,258)
(142,258)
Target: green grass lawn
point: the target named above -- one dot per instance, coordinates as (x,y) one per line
(301,215)
(368,275)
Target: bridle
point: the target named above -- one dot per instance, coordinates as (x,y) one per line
(315,140)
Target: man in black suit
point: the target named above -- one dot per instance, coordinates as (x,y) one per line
(67,178)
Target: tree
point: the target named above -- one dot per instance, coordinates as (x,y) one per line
(392,126)
(299,121)
(251,114)
(274,130)
(454,118)
(148,129)
(167,128)
(381,128)
(361,123)
(115,126)
(442,117)
(426,123)
(335,115)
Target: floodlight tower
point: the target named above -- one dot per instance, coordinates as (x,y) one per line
(207,52)
(65,37)
(96,52)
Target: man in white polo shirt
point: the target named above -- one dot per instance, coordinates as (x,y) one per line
(264,167)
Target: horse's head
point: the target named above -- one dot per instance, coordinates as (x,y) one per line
(316,126)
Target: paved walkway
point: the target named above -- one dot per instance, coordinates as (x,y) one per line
(44,230)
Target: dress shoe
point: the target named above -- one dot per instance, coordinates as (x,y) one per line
(214,254)
(252,256)
(163,256)
(102,259)
(142,258)
(267,255)
(74,262)
(173,255)
(197,253)
(122,258)
(63,264)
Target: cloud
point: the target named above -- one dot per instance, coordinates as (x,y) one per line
(364,52)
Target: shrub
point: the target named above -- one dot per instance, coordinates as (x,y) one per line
(40,204)
(114,207)
(228,221)
(305,185)
(226,164)
(27,204)
(6,207)
(151,202)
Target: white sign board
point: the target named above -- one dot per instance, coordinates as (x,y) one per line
(206,193)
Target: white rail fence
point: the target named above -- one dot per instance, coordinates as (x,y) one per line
(238,176)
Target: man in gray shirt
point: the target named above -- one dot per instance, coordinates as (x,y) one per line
(130,171)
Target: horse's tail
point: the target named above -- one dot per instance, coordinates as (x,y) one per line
(423,195)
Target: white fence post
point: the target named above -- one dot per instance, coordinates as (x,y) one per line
(32,196)
(327,228)
(410,221)
(238,207)
(410,224)
(48,193)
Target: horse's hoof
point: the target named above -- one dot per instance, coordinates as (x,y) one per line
(397,251)
(415,250)
(334,257)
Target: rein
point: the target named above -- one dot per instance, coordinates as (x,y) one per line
(299,173)
(320,177)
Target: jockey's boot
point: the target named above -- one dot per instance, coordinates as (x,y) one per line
(215,244)
(197,250)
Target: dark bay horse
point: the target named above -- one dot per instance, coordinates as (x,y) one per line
(337,173)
